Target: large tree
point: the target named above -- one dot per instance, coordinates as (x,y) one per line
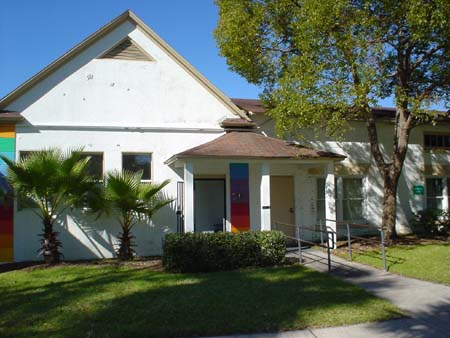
(323,63)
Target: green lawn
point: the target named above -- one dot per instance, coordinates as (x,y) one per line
(423,261)
(112,301)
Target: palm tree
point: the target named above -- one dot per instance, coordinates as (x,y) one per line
(131,201)
(49,182)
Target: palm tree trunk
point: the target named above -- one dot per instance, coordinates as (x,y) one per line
(50,244)
(126,243)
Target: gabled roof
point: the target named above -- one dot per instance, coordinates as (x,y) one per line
(240,144)
(131,17)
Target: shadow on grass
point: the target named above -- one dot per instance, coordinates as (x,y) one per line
(118,302)
(392,259)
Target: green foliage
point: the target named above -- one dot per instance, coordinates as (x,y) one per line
(430,223)
(51,181)
(202,252)
(131,201)
(316,59)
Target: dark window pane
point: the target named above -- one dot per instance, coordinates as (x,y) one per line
(437,141)
(434,187)
(352,199)
(138,162)
(435,190)
(427,141)
(353,188)
(24,154)
(353,210)
(95,164)
(320,200)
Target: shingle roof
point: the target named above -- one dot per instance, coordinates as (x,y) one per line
(10,116)
(237,123)
(249,105)
(253,145)
(255,106)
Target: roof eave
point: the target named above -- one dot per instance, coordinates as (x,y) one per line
(175,158)
(11,117)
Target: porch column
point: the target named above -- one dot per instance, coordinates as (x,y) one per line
(265,196)
(188,197)
(330,201)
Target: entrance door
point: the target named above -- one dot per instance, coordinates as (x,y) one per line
(209,204)
(282,208)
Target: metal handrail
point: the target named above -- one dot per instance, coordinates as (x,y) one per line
(349,225)
(330,236)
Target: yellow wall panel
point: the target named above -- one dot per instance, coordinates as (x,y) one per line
(8,131)
(6,241)
(6,255)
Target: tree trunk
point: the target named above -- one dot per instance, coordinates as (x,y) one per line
(390,172)
(388,218)
(50,245)
(126,243)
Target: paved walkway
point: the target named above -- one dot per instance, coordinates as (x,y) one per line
(426,303)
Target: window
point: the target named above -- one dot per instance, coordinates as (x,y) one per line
(352,199)
(24,154)
(433,141)
(435,193)
(138,162)
(95,164)
(320,199)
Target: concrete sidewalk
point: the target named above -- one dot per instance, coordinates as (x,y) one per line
(426,303)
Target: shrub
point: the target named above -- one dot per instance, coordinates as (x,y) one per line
(203,252)
(430,223)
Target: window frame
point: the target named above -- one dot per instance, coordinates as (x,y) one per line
(435,147)
(140,153)
(90,153)
(363,199)
(445,195)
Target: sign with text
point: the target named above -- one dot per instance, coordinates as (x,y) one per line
(418,190)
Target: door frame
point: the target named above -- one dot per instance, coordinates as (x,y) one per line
(213,178)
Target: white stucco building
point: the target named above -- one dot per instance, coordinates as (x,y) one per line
(133,102)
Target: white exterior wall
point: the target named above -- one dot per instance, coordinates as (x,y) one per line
(114,106)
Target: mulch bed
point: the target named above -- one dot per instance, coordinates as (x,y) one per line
(151,263)
(373,243)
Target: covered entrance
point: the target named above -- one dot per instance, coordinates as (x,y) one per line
(243,180)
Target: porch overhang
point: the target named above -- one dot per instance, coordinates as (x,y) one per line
(252,146)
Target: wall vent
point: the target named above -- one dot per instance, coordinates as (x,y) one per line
(127,50)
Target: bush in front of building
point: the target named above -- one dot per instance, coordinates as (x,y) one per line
(430,223)
(205,252)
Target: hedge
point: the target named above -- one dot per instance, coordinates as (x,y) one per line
(204,252)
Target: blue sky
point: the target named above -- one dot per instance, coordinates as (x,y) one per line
(36,32)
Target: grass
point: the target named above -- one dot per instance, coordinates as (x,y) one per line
(429,262)
(117,301)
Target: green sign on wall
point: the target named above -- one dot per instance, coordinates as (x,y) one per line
(418,190)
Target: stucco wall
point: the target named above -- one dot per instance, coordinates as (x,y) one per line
(359,162)
(114,106)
